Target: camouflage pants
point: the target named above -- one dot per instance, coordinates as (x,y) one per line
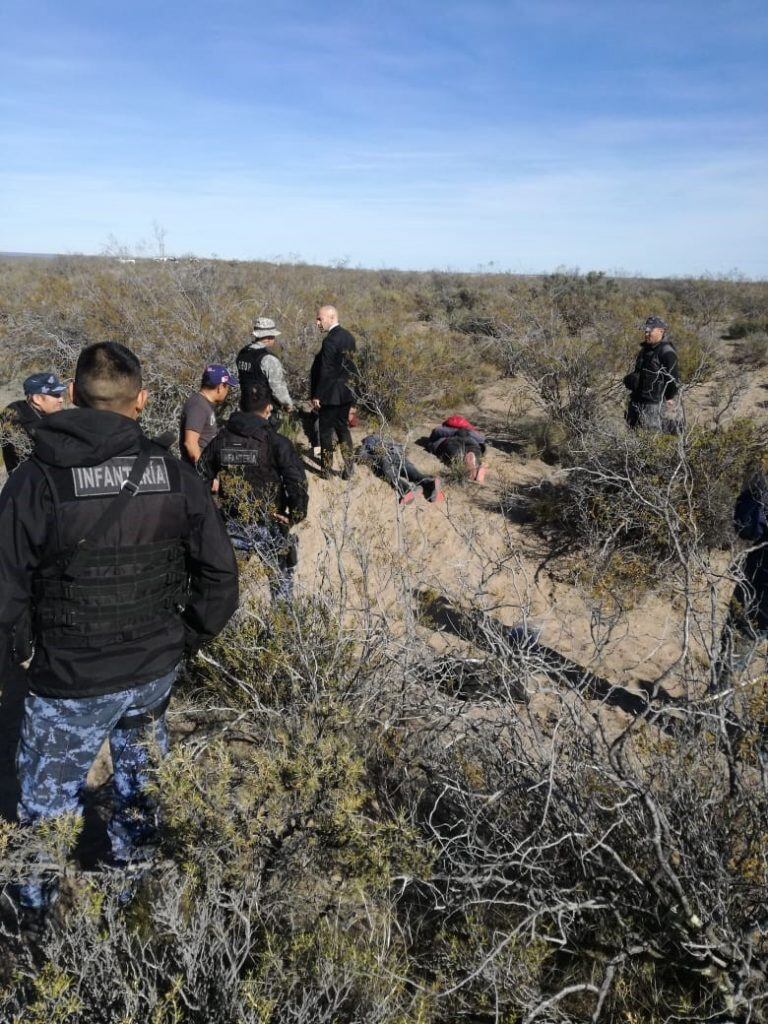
(60,739)
(275,549)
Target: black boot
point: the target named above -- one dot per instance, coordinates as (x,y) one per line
(349,463)
(326,463)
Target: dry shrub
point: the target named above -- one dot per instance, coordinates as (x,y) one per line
(634,501)
(405,369)
(357,829)
(752,351)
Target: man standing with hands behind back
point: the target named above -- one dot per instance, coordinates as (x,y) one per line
(331,395)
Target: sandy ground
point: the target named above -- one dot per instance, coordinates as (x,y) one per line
(467,549)
(356,535)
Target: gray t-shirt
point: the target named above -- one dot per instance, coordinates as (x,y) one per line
(200,415)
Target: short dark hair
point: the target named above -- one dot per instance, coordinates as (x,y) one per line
(255,398)
(107,376)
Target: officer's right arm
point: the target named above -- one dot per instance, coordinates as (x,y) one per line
(26,518)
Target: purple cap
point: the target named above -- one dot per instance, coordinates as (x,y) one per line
(44,384)
(216,374)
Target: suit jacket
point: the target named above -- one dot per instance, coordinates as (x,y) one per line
(332,368)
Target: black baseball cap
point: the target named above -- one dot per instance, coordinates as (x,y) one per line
(44,384)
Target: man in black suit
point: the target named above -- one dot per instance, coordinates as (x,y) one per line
(329,389)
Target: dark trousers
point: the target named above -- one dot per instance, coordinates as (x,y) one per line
(399,472)
(456,448)
(334,420)
(310,423)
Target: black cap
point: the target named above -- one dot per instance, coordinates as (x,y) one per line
(654,321)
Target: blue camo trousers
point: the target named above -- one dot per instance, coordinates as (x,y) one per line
(59,741)
(268,543)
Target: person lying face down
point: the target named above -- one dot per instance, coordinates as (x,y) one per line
(456,439)
(387,459)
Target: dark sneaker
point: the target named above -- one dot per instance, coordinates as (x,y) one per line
(348,472)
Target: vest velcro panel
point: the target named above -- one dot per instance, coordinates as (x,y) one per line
(125,592)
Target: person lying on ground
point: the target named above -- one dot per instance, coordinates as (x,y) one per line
(457,440)
(387,460)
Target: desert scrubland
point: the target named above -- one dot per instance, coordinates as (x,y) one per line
(380,804)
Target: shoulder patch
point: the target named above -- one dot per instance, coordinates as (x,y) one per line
(108,478)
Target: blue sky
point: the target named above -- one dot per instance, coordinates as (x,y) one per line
(532,134)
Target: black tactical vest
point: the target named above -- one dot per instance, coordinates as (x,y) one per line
(249,483)
(249,368)
(116,590)
(653,375)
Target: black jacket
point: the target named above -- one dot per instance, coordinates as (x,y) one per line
(53,501)
(18,416)
(249,447)
(332,369)
(656,375)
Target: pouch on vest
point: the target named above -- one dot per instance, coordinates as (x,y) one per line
(118,593)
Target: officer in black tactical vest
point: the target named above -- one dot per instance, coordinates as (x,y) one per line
(262,487)
(654,382)
(120,552)
(258,367)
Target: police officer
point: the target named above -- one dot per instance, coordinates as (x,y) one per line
(121,553)
(43,395)
(654,383)
(258,366)
(262,487)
